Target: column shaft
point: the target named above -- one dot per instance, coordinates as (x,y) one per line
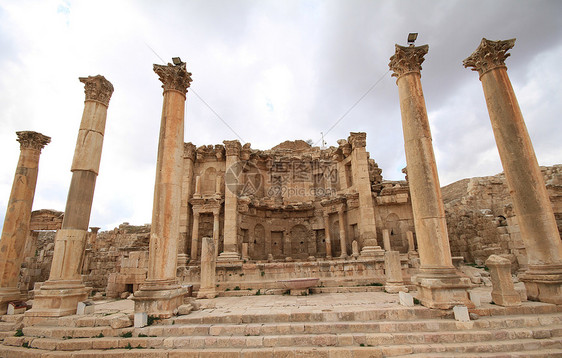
(439,284)
(195,236)
(161,294)
(18,215)
(233,183)
(531,202)
(216,229)
(327,235)
(343,234)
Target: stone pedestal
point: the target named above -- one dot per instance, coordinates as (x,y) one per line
(531,203)
(161,294)
(439,284)
(393,272)
(18,215)
(233,184)
(503,290)
(208,269)
(60,294)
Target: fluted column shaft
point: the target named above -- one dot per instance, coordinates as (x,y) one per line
(18,214)
(530,198)
(216,228)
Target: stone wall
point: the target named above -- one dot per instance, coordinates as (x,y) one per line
(481,221)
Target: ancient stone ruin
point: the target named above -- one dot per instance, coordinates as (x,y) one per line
(232,220)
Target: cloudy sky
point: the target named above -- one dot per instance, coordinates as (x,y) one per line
(271,70)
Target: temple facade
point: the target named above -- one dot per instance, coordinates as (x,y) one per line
(292,202)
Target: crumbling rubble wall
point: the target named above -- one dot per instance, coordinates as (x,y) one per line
(481,221)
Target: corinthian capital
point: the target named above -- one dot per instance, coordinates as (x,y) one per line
(407,59)
(489,55)
(97,88)
(232,147)
(32,140)
(173,77)
(189,150)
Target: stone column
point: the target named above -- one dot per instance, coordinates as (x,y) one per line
(360,170)
(439,284)
(216,228)
(327,236)
(218,185)
(386,239)
(543,279)
(233,185)
(503,290)
(18,215)
(197,187)
(186,194)
(393,271)
(60,294)
(411,243)
(195,236)
(208,288)
(343,233)
(161,294)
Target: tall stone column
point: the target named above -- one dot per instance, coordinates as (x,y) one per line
(360,170)
(18,215)
(186,194)
(531,203)
(195,236)
(161,294)
(439,284)
(216,227)
(343,233)
(60,294)
(232,180)
(327,236)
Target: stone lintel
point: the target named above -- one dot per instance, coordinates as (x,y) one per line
(173,77)
(489,55)
(97,88)
(407,59)
(32,140)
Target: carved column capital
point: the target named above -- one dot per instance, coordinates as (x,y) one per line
(32,140)
(97,88)
(173,77)
(232,147)
(189,151)
(407,59)
(357,140)
(489,55)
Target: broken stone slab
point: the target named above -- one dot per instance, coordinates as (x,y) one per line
(406,299)
(85,307)
(461,313)
(141,319)
(121,321)
(475,298)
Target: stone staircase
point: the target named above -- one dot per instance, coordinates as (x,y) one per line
(532,330)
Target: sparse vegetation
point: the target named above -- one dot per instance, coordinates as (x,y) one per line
(127,334)
(237,288)
(152,319)
(258,292)
(19,333)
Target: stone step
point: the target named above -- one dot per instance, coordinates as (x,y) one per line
(517,348)
(421,340)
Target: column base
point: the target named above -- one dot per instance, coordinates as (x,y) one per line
(229,256)
(56,299)
(159,298)
(183,259)
(395,287)
(7,295)
(543,283)
(371,251)
(207,293)
(442,288)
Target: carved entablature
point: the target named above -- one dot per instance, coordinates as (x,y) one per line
(189,151)
(173,77)
(352,200)
(357,140)
(232,148)
(489,55)
(334,205)
(208,152)
(393,192)
(206,205)
(219,152)
(407,59)
(32,140)
(97,88)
